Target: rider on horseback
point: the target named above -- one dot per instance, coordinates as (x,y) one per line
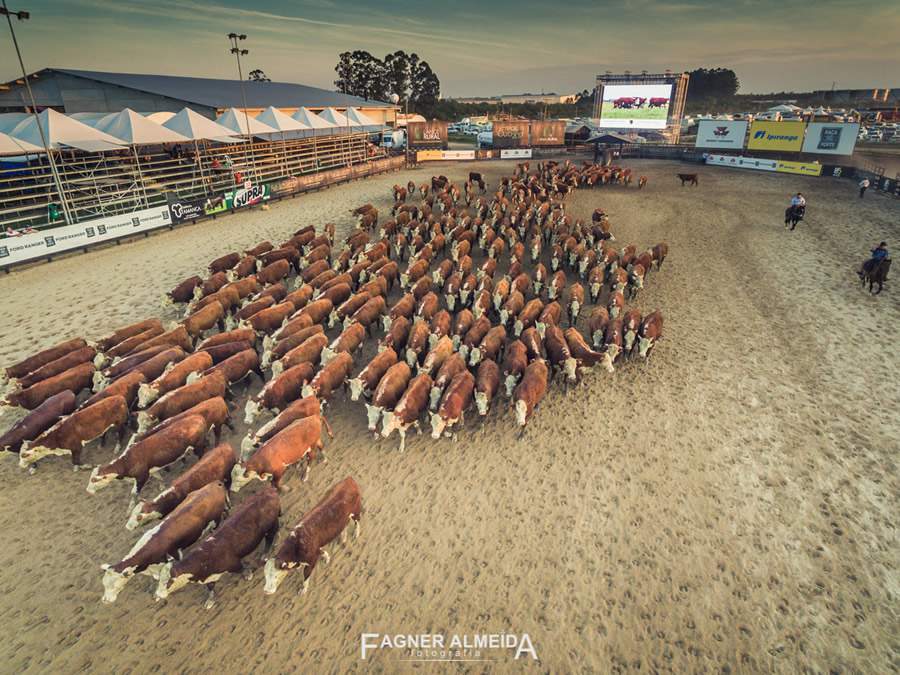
(878,254)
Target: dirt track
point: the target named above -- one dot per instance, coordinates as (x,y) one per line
(733,502)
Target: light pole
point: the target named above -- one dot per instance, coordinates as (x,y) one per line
(23,16)
(395,99)
(234,38)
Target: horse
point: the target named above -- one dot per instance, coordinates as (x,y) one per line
(875,272)
(688,178)
(794,214)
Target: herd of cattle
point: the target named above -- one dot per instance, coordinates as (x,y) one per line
(461,335)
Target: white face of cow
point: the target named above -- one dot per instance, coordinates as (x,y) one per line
(438,424)
(569,367)
(99,481)
(644,345)
(481,403)
(31,454)
(276,572)
(389,423)
(521,412)
(114,582)
(240,476)
(251,411)
(167,585)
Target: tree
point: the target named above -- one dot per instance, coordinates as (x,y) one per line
(426,88)
(258,76)
(713,83)
(361,74)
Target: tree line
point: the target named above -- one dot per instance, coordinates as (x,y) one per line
(406,75)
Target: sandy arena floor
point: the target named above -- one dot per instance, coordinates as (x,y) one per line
(732,504)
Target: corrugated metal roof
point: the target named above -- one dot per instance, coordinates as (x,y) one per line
(227,93)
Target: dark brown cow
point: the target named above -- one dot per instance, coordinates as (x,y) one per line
(225,263)
(254,520)
(184,290)
(597,323)
(528,316)
(155,451)
(130,345)
(236,368)
(299,440)
(690,178)
(659,253)
(397,335)
(275,272)
(612,340)
(417,342)
(318,528)
(126,332)
(490,346)
(75,379)
(408,409)
(452,365)
(515,361)
(38,421)
(126,386)
(282,347)
(558,353)
(179,400)
(580,350)
(60,365)
(260,248)
(159,359)
(181,528)
(457,398)
(530,391)
(72,433)
(368,379)
(215,465)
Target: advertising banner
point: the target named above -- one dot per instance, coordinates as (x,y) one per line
(635,106)
(247,196)
(511,134)
(183,210)
(458,154)
(802,168)
(738,162)
(68,237)
(824,138)
(721,135)
(548,133)
(520,153)
(429,155)
(776,136)
(427,134)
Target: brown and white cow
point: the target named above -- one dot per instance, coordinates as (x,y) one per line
(199,511)
(631,324)
(179,400)
(38,421)
(302,407)
(75,379)
(214,466)
(255,519)
(407,411)
(515,360)
(551,314)
(57,366)
(174,377)
(146,457)
(452,365)
(457,398)
(528,316)
(213,410)
(309,351)
(316,529)
(515,301)
(580,350)
(558,353)
(125,386)
(659,253)
(300,440)
(613,340)
(530,391)
(330,377)
(151,362)
(475,335)
(650,332)
(367,380)
(490,346)
(390,389)
(281,348)
(278,392)
(487,383)
(436,356)
(126,332)
(417,342)
(597,323)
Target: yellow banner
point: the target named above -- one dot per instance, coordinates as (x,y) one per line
(784,136)
(429,155)
(804,168)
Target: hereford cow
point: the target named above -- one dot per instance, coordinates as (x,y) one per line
(310,351)
(456,399)
(185,290)
(368,379)
(454,364)
(152,453)
(631,324)
(38,421)
(125,386)
(530,391)
(490,346)
(487,383)
(436,356)
(151,363)
(388,393)
(650,332)
(299,440)
(515,361)
(613,341)
(318,528)
(181,528)
(281,348)
(255,519)
(179,400)
(60,365)
(407,411)
(72,433)
(126,332)
(75,379)
(280,391)
(580,350)
(330,377)
(528,316)
(558,353)
(214,467)
(174,377)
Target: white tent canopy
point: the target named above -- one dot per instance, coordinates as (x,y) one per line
(314,122)
(61,131)
(196,127)
(14,146)
(89,118)
(135,129)
(159,117)
(336,118)
(10,120)
(280,121)
(239,121)
(358,118)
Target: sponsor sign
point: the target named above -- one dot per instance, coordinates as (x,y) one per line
(427,134)
(429,155)
(721,135)
(776,136)
(68,237)
(548,133)
(248,195)
(824,138)
(802,168)
(520,153)
(738,162)
(511,134)
(458,154)
(635,106)
(183,210)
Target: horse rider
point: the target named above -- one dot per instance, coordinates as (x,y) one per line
(797,209)
(879,253)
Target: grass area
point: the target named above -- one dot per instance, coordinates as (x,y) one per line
(611,113)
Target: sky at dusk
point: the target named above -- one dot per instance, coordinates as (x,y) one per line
(477,48)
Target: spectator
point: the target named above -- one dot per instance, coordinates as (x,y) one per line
(863,186)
